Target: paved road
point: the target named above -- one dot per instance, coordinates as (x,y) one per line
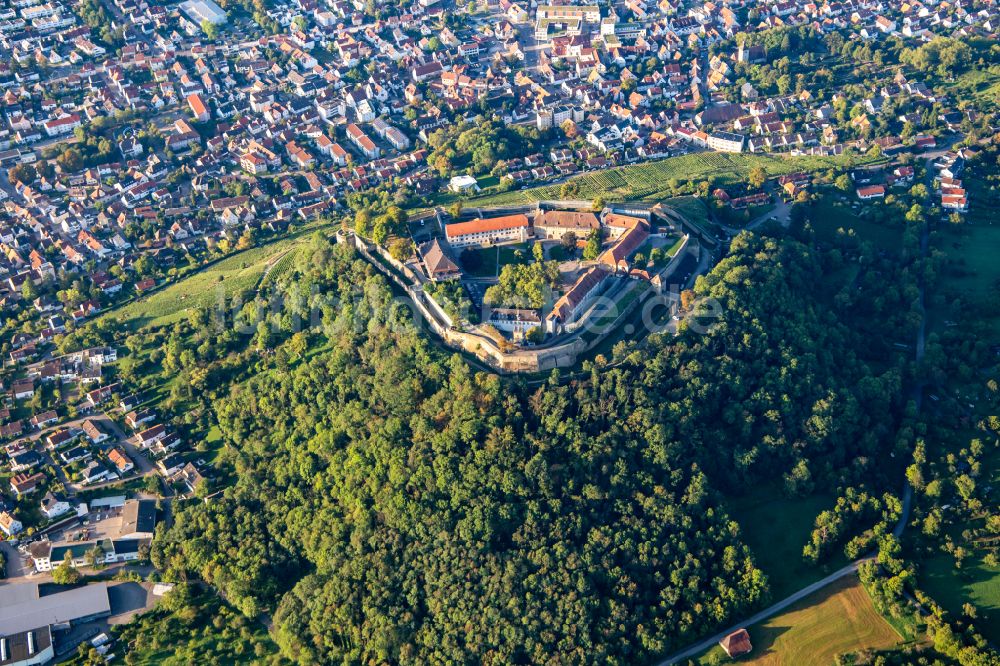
(532,49)
(704,645)
(142,464)
(904,518)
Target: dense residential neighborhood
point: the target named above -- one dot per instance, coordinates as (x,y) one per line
(334,331)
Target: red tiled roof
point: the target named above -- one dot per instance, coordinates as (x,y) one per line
(480,225)
(737,643)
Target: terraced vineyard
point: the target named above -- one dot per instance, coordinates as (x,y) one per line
(650,180)
(213,284)
(280,267)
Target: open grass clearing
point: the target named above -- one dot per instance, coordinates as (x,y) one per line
(976,583)
(833,220)
(970,271)
(692,208)
(212,284)
(839,618)
(480,261)
(675,247)
(776,527)
(980,85)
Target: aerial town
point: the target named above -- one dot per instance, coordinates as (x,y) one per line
(536,180)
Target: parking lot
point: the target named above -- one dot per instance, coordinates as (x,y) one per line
(127,599)
(96,525)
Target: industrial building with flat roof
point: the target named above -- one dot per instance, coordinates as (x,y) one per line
(27,619)
(27,648)
(22,608)
(204,10)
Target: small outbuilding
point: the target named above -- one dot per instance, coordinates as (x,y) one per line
(737,643)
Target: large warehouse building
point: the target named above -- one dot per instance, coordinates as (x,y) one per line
(204,10)
(27,619)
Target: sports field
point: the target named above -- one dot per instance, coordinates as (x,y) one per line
(838,619)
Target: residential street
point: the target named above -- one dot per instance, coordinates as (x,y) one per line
(142,464)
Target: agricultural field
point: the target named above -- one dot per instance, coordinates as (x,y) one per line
(281,265)
(652,180)
(840,618)
(223,279)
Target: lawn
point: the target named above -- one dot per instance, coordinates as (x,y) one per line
(776,528)
(673,249)
(515,254)
(650,180)
(492,259)
(484,266)
(692,208)
(840,618)
(828,217)
(975,583)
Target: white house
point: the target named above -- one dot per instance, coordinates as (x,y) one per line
(9,524)
(463,184)
(53,507)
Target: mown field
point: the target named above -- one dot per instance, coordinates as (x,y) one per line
(977,584)
(838,619)
(650,180)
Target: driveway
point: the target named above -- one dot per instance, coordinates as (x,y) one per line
(781,213)
(17,571)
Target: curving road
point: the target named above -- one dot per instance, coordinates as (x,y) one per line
(851,568)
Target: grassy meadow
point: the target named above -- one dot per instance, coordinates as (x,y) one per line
(840,618)
(776,528)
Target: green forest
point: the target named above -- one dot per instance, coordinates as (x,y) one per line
(392,505)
